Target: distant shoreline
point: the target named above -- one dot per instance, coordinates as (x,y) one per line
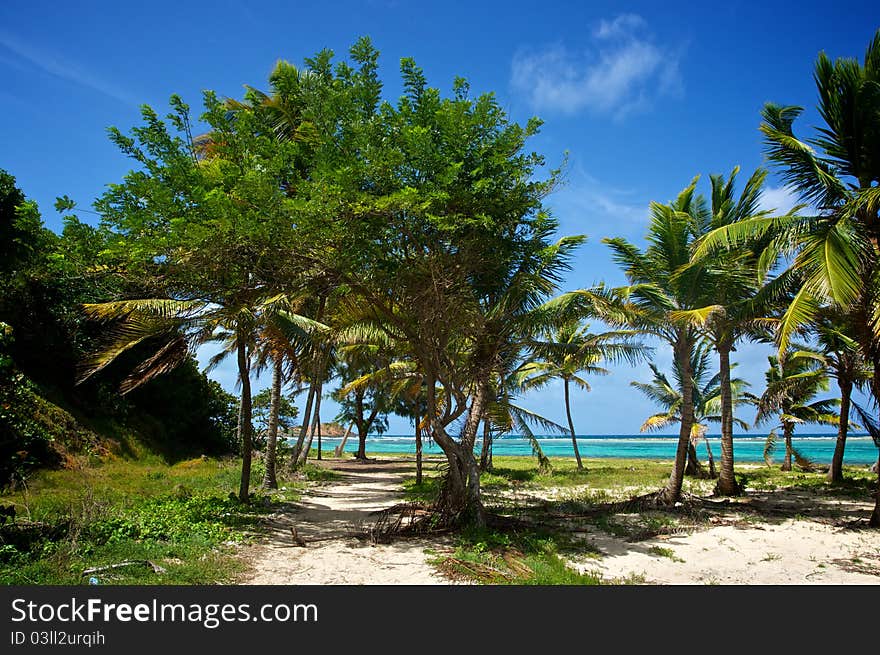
(818,448)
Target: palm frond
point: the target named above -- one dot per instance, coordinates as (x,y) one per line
(770,447)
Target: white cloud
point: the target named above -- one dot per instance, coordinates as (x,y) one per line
(63,68)
(779,200)
(622,25)
(622,71)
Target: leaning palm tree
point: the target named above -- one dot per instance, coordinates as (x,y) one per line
(175,329)
(708,399)
(569,350)
(793,382)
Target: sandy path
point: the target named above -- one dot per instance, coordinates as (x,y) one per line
(325,518)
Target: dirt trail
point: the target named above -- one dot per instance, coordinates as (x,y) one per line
(327,518)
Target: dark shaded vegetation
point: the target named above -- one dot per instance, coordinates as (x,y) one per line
(46,419)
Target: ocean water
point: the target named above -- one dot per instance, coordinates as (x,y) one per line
(860,449)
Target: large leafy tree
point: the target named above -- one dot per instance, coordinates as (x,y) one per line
(434,203)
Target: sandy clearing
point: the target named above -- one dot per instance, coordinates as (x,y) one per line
(792,552)
(740,550)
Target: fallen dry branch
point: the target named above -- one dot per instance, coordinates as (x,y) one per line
(481,572)
(515,564)
(131,562)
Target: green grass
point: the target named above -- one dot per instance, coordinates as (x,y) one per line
(858,482)
(532,558)
(660,551)
(604,476)
(179,517)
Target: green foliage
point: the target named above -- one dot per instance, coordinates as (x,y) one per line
(287,411)
(208,518)
(180,517)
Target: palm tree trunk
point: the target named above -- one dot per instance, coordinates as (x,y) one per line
(786,431)
(361,426)
(244,420)
(319,439)
(835,471)
(727,485)
(418,452)
(874,521)
(693,467)
(269,479)
(712,471)
(316,422)
(574,442)
(672,492)
(313,387)
(486,452)
(338,451)
(304,428)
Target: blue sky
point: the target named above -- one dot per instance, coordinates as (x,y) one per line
(642,95)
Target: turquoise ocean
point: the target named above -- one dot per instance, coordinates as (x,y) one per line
(819,448)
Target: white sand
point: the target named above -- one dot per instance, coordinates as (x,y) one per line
(794,551)
(326,518)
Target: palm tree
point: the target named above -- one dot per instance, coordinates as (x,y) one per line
(569,350)
(177,328)
(732,292)
(283,340)
(661,285)
(708,399)
(840,355)
(793,381)
(836,253)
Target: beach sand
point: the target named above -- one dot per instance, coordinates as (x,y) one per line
(784,547)
(792,552)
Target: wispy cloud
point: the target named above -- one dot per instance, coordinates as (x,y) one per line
(778,199)
(623,70)
(63,68)
(591,203)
